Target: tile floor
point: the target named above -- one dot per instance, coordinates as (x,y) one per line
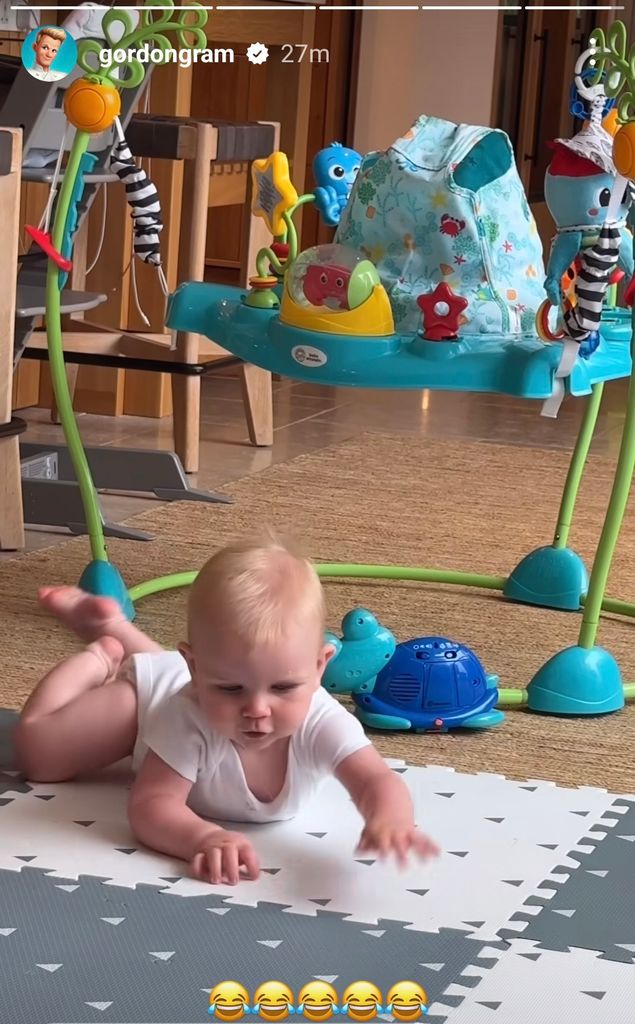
(308,417)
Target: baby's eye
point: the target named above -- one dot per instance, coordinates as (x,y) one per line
(285,687)
(229,689)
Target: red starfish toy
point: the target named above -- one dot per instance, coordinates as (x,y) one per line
(440,323)
(43,239)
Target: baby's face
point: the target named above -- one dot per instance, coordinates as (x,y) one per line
(255,697)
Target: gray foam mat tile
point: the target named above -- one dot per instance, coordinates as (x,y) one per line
(8,720)
(76,950)
(593,907)
(528,985)
(10,784)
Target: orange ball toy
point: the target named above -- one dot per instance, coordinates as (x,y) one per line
(91,106)
(624,150)
(610,122)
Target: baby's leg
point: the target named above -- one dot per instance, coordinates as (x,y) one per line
(72,723)
(91,617)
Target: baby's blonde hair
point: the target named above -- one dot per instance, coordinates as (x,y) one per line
(254,589)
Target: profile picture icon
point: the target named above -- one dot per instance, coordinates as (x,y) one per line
(49,53)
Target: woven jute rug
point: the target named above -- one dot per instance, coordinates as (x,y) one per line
(389,500)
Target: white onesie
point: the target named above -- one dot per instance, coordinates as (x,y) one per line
(173,726)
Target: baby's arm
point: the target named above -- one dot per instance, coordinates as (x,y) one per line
(160,818)
(384,802)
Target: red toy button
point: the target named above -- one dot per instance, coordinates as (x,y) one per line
(441,312)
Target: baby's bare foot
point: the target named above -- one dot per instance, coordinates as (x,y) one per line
(88,616)
(110,652)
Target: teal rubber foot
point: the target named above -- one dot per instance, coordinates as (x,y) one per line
(104,580)
(549,577)
(577,681)
(383,721)
(485,721)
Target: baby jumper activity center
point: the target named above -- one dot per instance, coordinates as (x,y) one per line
(434,280)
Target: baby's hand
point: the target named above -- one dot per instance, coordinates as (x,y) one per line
(223,857)
(384,836)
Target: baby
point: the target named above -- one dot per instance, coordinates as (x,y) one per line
(234,726)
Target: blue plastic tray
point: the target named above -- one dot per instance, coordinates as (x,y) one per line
(513,365)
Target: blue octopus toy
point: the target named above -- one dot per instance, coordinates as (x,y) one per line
(577,192)
(334,169)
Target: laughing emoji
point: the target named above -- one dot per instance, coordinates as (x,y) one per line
(362,1001)
(407,1001)
(273,1001)
(318,1000)
(228,1001)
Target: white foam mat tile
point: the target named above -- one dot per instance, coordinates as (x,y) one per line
(528,984)
(500,840)
(72,829)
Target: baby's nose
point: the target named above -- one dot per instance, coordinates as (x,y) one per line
(256,708)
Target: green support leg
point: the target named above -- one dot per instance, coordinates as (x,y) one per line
(612,522)
(586,680)
(100,575)
(576,467)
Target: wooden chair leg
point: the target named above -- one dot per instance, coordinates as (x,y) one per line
(256,383)
(186,391)
(11,514)
(258,402)
(186,399)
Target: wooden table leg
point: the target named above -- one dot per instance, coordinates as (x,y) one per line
(186,401)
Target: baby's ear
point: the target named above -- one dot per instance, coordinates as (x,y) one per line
(185,651)
(326,654)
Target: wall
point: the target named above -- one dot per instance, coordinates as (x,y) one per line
(414,62)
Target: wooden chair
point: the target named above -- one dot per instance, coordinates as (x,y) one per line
(205,147)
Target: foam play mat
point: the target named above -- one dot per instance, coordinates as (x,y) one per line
(527,915)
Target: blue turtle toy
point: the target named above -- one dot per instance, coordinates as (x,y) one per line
(430,684)
(363,650)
